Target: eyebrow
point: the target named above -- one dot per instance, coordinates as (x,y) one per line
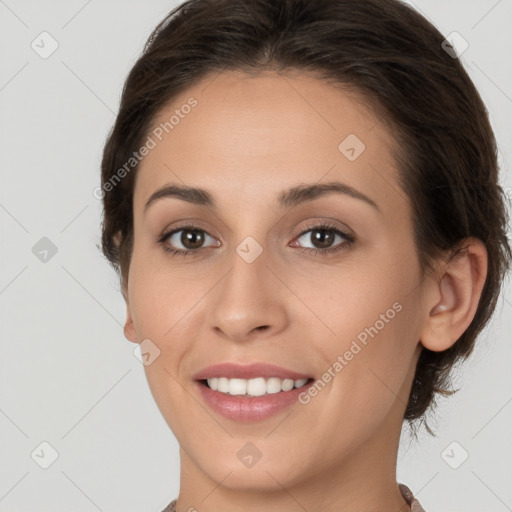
(290,197)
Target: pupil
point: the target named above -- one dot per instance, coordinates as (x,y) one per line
(322,237)
(192,239)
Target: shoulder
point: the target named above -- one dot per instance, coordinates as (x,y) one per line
(171,507)
(406,493)
(410,499)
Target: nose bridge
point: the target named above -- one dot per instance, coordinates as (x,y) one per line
(247,297)
(249,272)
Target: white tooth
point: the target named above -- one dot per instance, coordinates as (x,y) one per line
(223,385)
(273,385)
(287,384)
(237,386)
(299,383)
(256,387)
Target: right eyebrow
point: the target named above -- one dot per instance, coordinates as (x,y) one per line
(192,195)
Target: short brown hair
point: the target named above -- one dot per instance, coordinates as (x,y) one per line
(445,148)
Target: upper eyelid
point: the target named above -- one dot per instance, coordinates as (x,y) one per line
(319,226)
(188,225)
(328,225)
(313,222)
(315,226)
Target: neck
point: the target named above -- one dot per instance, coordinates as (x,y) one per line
(364,479)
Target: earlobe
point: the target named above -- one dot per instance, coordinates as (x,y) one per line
(455,297)
(129,329)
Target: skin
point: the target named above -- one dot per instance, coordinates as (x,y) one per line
(249,138)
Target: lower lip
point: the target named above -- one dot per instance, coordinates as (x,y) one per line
(249,409)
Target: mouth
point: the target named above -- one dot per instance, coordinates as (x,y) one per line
(250,392)
(256,387)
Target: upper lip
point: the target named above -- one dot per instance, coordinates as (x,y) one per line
(248,371)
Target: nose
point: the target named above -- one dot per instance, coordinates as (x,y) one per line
(250,301)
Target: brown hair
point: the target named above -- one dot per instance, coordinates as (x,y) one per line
(446,151)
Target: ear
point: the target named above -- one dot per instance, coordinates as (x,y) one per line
(453,296)
(129,329)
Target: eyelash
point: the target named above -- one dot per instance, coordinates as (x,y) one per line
(349,240)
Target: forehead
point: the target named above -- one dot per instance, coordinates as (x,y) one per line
(253,135)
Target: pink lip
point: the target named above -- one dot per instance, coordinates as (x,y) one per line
(245,408)
(250,371)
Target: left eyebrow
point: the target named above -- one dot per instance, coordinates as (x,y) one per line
(190,194)
(290,197)
(303,193)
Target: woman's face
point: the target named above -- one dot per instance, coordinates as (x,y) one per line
(252,289)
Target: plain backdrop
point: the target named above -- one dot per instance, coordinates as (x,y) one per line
(68,377)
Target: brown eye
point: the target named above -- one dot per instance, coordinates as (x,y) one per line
(323,238)
(186,239)
(192,239)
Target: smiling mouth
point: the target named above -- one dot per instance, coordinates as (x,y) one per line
(252,388)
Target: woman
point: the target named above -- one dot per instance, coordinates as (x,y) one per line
(301,199)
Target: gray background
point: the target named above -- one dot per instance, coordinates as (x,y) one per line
(68,376)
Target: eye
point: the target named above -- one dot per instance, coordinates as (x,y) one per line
(185,240)
(190,240)
(323,236)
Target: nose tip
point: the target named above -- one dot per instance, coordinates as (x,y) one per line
(239,332)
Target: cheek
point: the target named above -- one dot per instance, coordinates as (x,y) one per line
(355,296)
(161,297)
(371,312)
